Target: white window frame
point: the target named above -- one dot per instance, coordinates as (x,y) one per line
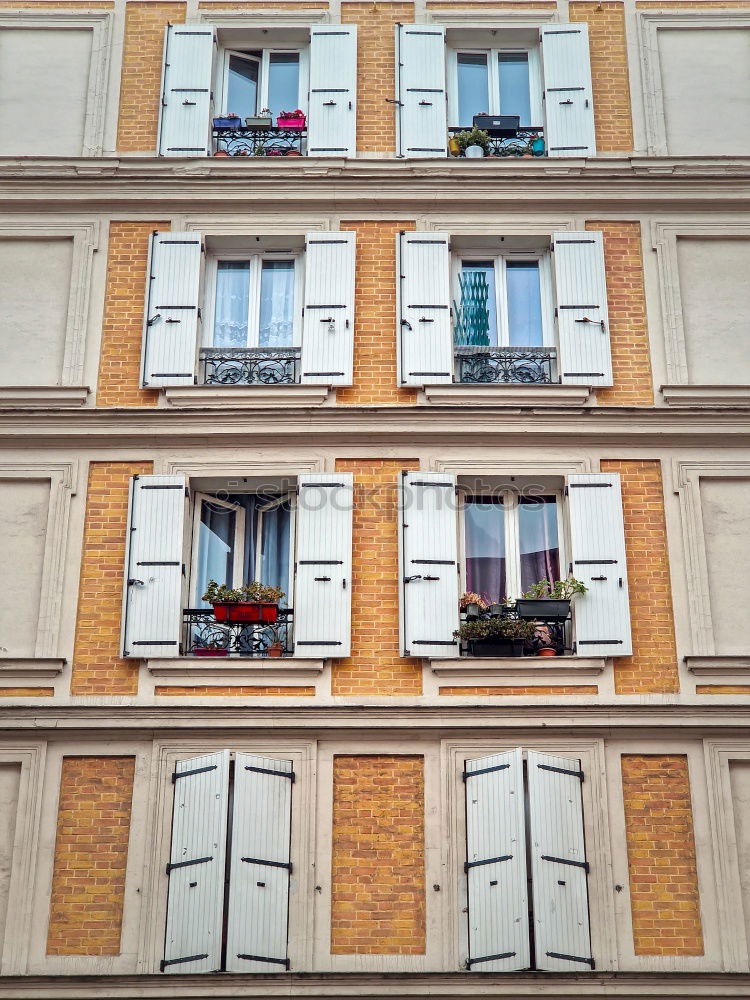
(493,80)
(222,86)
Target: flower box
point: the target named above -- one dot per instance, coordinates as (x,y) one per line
(496,646)
(259,121)
(227,122)
(292,121)
(205,651)
(257,613)
(546,609)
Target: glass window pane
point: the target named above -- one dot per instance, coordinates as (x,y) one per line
(283,82)
(538,541)
(473,86)
(484,523)
(215,547)
(476,312)
(515,97)
(274,548)
(524,303)
(230,313)
(276,304)
(242,87)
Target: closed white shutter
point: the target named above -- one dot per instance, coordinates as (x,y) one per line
(559,868)
(328,327)
(597,542)
(186,91)
(568,97)
(496,864)
(429,564)
(196,866)
(332,120)
(422,119)
(170,329)
(260,866)
(323,586)
(425,334)
(582,316)
(151,618)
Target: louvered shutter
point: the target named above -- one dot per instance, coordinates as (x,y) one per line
(422,119)
(559,868)
(322,601)
(328,326)
(153,567)
(568,97)
(171,322)
(332,120)
(429,564)
(186,91)
(196,866)
(597,541)
(425,334)
(260,866)
(582,315)
(496,864)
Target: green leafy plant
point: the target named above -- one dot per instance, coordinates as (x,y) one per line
(560,590)
(249,593)
(491,628)
(469,598)
(472,137)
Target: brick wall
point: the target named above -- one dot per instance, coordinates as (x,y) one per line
(97,666)
(224,692)
(378,887)
(91,853)
(664,894)
(29,692)
(722,689)
(563,689)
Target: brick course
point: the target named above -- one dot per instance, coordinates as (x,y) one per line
(564,689)
(229,692)
(722,689)
(27,692)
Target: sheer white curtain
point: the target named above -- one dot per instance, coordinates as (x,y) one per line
(230,312)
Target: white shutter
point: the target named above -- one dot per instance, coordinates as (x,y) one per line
(568,97)
(260,867)
(332,119)
(582,316)
(597,542)
(422,119)
(328,324)
(558,864)
(186,91)
(151,618)
(323,586)
(429,564)
(170,329)
(196,866)
(425,335)
(496,864)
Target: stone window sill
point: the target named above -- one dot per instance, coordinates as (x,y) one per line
(30,666)
(24,396)
(232,670)
(724,666)
(459,394)
(530,666)
(706,395)
(248,396)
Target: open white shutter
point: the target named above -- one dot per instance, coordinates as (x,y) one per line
(496,864)
(323,587)
(332,119)
(196,866)
(582,316)
(429,564)
(422,119)
(425,335)
(260,869)
(558,864)
(597,542)
(170,329)
(328,325)
(151,618)
(186,91)
(568,97)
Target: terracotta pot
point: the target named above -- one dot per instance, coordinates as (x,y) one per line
(221,152)
(275,649)
(546,651)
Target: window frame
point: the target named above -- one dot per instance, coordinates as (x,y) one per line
(222,87)
(493,79)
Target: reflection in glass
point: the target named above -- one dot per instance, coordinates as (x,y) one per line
(283,82)
(215,547)
(524,303)
(515,96)
(476,320)
(473,86)
(242,87)
(484,523)
(538,537)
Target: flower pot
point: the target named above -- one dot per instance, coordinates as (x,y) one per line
(295,122)
(259,613)
(259,121)
(221,152)
(276,649)
(545,609)
(227,122)
(292,152)
(546,651)
(204,651)
(496,646)
(474,152)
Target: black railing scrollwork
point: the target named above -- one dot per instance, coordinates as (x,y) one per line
(204,636)
(527,365)
(249,365)
(271,141)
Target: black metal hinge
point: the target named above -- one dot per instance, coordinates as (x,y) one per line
(261,958)
(269,864)
(560,770)
(571,958)
(484,770)
(268,770)
(186,864)
(197,770)
(178,961)
(565,861)
(488,861)
(489,958)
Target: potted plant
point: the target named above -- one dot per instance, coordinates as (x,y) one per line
(472,604)
(291,119)
(501,636)
(549,602)
(253,603)
(276,648)
(262,120)
(229,120)
(473,142)
(210,648)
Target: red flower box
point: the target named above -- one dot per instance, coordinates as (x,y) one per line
(294,119)
(260,613)
(204,651)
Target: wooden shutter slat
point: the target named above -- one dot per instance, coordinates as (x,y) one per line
(422,116)
(332,116)
(425,335)
(328,327)
(184,121)
(585,356)
(568,94)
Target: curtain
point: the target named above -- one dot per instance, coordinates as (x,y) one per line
(484,522)
(540,552)
(232,290)
(276,304)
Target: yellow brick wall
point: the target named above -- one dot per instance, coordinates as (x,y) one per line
(91,854)
(664,895)
(652,669)
(563,689)
(228,692)
(378,878)
(375,666)
(722,689)
(30,692)
(97,666)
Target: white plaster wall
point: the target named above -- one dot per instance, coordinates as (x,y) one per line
(24,506)
(726,523)
(739,778)
(10,780)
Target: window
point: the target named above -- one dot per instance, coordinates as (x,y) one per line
(262,79)
(495,82)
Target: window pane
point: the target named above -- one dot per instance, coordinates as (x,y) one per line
(540,551)
(524,303)
(276,304)
(283,82)
(230,314)
(484,522)
(515,98)
(215,547)
(274,548)
(242,87)
(473,86)
(476,313)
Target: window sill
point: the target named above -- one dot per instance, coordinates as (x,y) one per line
(530,666)
(18,396)
(706,395)
(248,396)
(461,394)
(724,666)
(30,666)
(234,669)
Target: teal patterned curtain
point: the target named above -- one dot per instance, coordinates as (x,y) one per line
(472,316)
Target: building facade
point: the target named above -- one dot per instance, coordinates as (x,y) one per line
(325,351)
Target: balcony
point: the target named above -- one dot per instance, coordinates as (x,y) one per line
(496,135)
(479,364)
(249,366)
(271,140)
(495,629)
(204,636)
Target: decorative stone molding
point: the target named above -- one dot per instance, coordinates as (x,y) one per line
(12,667)
(506,395)
(718,666)
(42,396)
(532,669)
(247,396)
(706,395)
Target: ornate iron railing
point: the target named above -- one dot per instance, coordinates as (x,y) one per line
(271,141)
(527,365)
(249,365)
(204,636)
(527,141)
(553,634)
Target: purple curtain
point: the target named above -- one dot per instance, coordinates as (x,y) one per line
(538,520)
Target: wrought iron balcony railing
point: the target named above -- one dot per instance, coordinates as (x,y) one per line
(204,636)
(270,141)
(526,365)
(523,141)
(249,365)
